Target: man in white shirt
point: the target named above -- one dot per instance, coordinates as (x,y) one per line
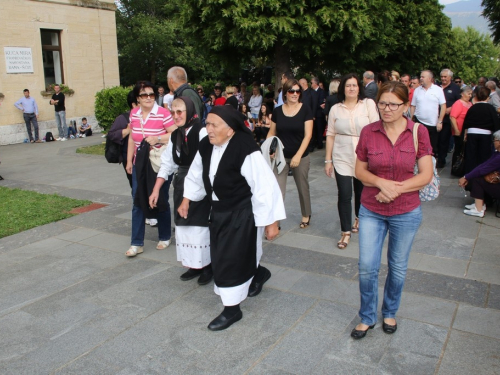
(428,107)
(28,106)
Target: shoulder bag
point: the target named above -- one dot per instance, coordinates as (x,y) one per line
(430,191)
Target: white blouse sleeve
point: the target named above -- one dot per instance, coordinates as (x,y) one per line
(168,165)
(194,189)
(267,201)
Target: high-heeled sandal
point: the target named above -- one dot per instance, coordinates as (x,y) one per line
(355,227)
(344,240)
(305,224)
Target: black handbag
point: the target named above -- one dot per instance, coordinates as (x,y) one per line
(274,146)
(458,168)
(112,151)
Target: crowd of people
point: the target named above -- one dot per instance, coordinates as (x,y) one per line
(229,154)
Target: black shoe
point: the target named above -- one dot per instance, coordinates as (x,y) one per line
(311,149)
(387,328)
(191,274)
(206,276)
(320,147)
(221,322)
(1,178)
(259,281)
(440,165)
(359,334)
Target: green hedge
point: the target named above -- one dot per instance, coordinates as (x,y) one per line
(109,104)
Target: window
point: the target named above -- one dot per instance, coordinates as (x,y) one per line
(52,56)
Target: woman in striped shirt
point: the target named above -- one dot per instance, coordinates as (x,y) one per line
(152,123)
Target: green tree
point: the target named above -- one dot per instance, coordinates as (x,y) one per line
(109,104)
(472,54)
(492,13)
(334,35)
(151,39)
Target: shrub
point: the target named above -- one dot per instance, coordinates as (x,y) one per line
(64,89)
(109,104)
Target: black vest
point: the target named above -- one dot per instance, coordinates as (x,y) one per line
(193,140)
(229,185)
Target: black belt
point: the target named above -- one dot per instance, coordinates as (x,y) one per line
(32,113)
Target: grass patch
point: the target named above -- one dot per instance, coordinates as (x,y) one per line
(23,210)
(92,150)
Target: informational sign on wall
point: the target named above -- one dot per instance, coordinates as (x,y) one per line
(18,59)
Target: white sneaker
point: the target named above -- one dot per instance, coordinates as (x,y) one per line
(153,222)
(58,139)
(147,221)
(474,212)
(64,139)
(84,135)
(473,205)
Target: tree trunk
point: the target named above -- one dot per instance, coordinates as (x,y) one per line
(281,63)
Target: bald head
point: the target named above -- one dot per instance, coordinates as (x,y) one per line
(491,85)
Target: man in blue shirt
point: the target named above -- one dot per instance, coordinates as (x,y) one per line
(30,113)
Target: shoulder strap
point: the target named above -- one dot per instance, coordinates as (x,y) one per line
(415,136)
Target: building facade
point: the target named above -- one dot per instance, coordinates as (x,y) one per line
(42,42)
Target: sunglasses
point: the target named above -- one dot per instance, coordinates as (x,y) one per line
(293,91)
(178,112)
(458,81)
(147,95)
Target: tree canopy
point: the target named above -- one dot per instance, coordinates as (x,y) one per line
(492,13)
(216,39)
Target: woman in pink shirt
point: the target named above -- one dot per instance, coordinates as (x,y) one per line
(457,116)
(153,124)
(389,203)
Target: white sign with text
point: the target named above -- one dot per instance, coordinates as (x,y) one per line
(18,59)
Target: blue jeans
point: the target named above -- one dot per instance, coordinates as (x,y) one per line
(372,232)
(138,218)
(61,123)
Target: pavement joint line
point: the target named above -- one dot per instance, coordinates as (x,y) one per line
(487,296)
(281,338)
(443,349)
(473,248)
(124,330)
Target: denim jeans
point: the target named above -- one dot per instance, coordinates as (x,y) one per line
(61,123)
(372,232)
(138,218)
(28,119)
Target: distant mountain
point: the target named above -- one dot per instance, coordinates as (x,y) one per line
(467,13)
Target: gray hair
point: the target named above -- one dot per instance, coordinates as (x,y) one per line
(448,72)
(491,85)
(466,89)
(496,135)
(428,71)
(178,74)
(315,80)
(368,75)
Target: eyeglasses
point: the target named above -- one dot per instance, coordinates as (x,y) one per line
(293,91)
(146,95)
(458,81)
(178,112)
(392,106)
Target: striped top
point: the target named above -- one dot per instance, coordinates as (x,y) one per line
(158,120)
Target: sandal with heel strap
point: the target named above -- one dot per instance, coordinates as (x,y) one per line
(344,240)
(305,224)
(355,227)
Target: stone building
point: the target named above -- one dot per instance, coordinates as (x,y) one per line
(43,42)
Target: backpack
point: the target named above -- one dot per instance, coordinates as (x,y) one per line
(112,150)
(49,137)
(204,107)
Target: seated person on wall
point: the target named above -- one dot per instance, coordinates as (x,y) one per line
(480,185)
(85,129)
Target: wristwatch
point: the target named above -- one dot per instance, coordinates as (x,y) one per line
(159,139)
(328,161)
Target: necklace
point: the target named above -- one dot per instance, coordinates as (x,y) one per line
(293,110)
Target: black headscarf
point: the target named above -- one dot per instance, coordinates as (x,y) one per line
(235,119)
(191,119)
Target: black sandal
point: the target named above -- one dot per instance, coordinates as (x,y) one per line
(305,224)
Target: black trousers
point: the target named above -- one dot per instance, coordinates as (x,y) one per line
(444,142)
(459,145)
(477,150)
(480,189)
(433,135)
(345,186)
(318,131)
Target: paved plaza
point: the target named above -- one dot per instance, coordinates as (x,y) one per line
(72,303)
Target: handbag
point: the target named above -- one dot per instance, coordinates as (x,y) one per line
(154,152)
(274,146)
(112,151)
(458,168)
(492,178)
(431,190)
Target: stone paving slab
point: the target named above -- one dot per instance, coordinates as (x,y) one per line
(72,303)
